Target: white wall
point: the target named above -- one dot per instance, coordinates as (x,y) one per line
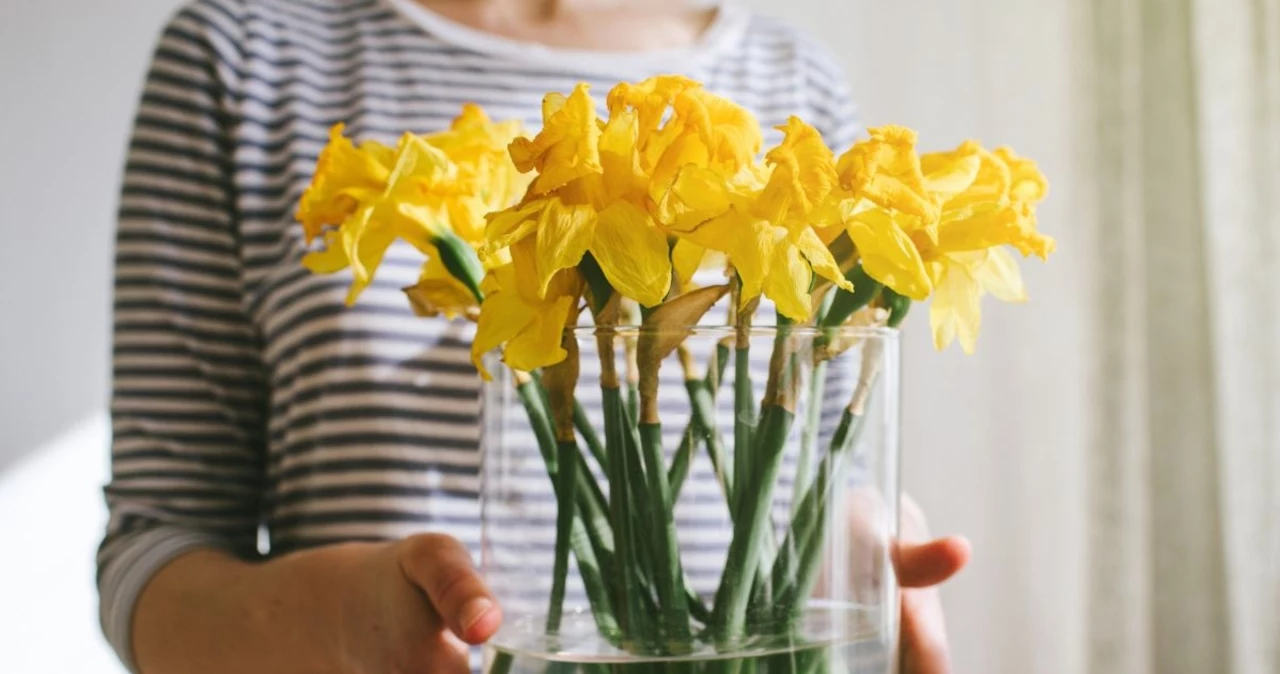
(997,69)
(70,71)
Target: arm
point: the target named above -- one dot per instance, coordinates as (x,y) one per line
(182,586)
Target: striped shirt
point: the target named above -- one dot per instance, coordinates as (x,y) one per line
(252,411)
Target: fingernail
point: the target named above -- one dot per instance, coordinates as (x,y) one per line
(473,611)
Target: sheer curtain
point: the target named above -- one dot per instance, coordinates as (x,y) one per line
(1185,465)
(1114,447)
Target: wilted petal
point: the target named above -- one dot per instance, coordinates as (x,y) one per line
(632,253)
(888,253)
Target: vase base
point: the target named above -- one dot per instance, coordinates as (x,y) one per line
(845,639)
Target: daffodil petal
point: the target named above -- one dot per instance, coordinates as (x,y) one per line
(820,258)
(564,233)
(787,284)
(1027,183)
(686,258)
(332,258)
(955,310)
(804,173)
(502,316)
(888,254)
(539,344)
(700,190)
(999,275)
(947,173)
(568,145)
(632,253)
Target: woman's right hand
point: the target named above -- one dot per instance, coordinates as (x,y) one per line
(404,607)
(413,606)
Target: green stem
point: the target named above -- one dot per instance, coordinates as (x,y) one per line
(580,541)
(813,414)
(751,525)
(633,401)
(809,437)
(621,505)
(565,517)
(588,432)
(669,574)
(744,415)
(801,556)
(501,663)
(701,426)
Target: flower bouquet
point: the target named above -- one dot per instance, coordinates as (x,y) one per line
(742,524)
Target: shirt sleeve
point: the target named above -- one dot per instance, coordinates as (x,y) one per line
(188,391)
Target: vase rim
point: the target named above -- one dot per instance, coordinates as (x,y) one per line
(717,331)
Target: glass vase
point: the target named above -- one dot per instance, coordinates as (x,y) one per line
(695,501)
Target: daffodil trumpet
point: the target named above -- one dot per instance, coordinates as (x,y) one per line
(620,214)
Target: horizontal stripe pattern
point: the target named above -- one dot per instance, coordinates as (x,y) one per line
(247,399)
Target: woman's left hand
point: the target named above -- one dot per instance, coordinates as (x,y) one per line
(921,565)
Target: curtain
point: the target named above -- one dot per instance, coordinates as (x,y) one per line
(1184,565)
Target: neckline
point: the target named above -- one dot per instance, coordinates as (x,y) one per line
(729,22)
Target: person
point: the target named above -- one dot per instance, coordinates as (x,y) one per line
(277,455)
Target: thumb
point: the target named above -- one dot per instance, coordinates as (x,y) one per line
(442,568)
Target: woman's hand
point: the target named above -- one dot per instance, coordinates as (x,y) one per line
(408,607)
(921,565)
(413,607)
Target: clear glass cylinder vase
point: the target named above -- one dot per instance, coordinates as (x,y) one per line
(695,500)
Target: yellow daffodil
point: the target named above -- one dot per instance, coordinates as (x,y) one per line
(408,206)
(428,190)
(589,197)
(345,175)
(936,224)
(760,219)
(526,325)
(478,147)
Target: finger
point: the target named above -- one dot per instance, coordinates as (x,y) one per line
(925,564)
(442,567)
(924,634)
